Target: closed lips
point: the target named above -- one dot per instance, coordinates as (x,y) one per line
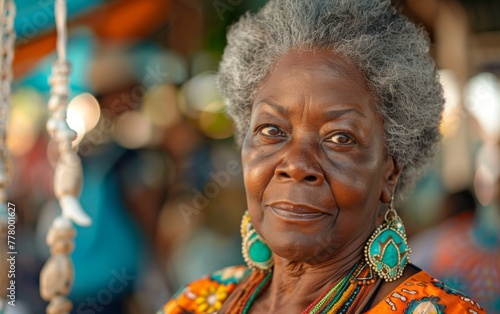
(296,209)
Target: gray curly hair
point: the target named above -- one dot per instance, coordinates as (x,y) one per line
(390,50)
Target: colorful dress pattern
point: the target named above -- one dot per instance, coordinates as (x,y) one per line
(419,294)
(207,294)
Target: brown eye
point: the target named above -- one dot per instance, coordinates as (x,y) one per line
(270,130)
(342,139)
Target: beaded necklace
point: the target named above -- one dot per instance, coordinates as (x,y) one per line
(343,296)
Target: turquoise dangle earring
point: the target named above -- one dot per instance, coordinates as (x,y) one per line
(255,251)
(387,251)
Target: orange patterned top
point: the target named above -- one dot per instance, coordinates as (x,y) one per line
(419,294)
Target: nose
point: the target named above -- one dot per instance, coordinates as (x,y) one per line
(300,164)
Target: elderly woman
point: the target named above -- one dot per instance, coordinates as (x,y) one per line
(337,105)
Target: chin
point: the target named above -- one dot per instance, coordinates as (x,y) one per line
(299,247)
(298,241)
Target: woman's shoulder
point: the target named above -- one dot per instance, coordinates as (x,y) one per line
(207,294)
(421,293)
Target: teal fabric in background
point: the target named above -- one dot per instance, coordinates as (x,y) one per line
(109,254)
(36,17)
(81,51)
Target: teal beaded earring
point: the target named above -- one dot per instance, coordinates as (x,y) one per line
(255,251)
(387,251)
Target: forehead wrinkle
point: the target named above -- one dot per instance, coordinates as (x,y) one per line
(341,67)
(305,103)
(327,57)
(297,66)
(334,114)
(281,109)
(332,64)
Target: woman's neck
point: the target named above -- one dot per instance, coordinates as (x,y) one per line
(295,285)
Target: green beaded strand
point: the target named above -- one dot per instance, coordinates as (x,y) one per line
(256,293)
(339,289)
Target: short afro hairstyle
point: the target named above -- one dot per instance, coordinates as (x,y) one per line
(387,48)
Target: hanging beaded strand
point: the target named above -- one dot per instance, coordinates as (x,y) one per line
(56,277)
(7,40)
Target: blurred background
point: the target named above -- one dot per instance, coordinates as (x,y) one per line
(162,175)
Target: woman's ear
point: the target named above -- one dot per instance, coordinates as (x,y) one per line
(391,177)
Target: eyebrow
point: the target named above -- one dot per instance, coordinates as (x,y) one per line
(334,114)
(282,110)
(329,115)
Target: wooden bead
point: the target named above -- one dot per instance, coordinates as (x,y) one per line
(61,241)
(59,305)
(56,101)
(52,125)
(56,277)
(65,134)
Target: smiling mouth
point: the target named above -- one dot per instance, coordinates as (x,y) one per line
(291,211)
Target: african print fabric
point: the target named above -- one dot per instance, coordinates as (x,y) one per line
(419,294)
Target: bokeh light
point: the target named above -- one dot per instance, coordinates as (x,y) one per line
(26,121)
(87,107)
(487,173)
(483,101)
(213,121)
(198,93)
(133,130)
(160,104)
(110,69)
(452,110)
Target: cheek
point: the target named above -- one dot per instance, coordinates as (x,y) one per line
(256,178)
(356,181)
(257,172)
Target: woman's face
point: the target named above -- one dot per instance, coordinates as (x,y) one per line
(314,159)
